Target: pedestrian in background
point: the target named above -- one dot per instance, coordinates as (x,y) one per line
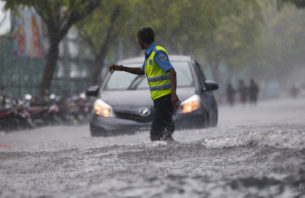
(253,92)
(230,91)
(243,92)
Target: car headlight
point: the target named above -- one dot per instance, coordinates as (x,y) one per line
(102,109)
(191,104)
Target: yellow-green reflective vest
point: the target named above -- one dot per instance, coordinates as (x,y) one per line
(158,80)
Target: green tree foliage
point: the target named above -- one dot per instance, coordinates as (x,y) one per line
(102,30)
(297,3)
(245,36)
(59,16)
(214,31)
(281,43)
(234,41)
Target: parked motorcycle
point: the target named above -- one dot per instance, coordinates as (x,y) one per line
(14,116)
(29,112)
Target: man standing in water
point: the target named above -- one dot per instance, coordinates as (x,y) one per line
(162,81)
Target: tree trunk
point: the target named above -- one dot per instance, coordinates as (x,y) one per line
(50,67)
(96,72)
(58,22)
(100,56)
(99,60)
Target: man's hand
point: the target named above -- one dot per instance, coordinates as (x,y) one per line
(132,70)
(175,101)
(114,67)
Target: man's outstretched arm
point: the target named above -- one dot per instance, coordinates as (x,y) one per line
(133,70)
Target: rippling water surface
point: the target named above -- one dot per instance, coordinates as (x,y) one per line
(254,152)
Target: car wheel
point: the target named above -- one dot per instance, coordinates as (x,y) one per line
(213,117)
(95,134)
(93,131)
(98,132)
(205,120)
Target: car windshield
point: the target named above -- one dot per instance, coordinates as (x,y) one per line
(127,81)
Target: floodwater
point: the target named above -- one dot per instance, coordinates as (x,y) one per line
(254,152)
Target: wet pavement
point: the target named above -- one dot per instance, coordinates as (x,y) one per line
(254,152)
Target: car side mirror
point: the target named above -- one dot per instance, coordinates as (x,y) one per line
(92,91)
(211,85)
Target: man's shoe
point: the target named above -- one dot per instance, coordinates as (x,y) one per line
(170,139)
(154,138)
(167,137)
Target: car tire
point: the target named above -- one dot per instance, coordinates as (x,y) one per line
(206,120)
(94,132)
(213,117)
(98,132)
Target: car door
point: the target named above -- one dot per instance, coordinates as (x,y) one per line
(207,97)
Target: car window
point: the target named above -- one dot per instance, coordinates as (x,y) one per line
(124,80)
(184,75)
(200,74)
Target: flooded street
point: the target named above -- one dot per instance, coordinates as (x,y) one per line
(254,152)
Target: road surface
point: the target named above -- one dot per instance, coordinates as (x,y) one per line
(254,152)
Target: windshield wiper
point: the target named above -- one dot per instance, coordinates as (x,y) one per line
(135,83)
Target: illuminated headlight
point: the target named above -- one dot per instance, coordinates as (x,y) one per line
(191,104)
(102,109)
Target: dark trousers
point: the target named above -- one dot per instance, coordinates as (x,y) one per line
(162,126)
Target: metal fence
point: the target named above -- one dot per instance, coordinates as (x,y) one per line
(19,76)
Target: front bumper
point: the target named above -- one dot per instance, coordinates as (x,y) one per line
(102,126)
(110,126)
